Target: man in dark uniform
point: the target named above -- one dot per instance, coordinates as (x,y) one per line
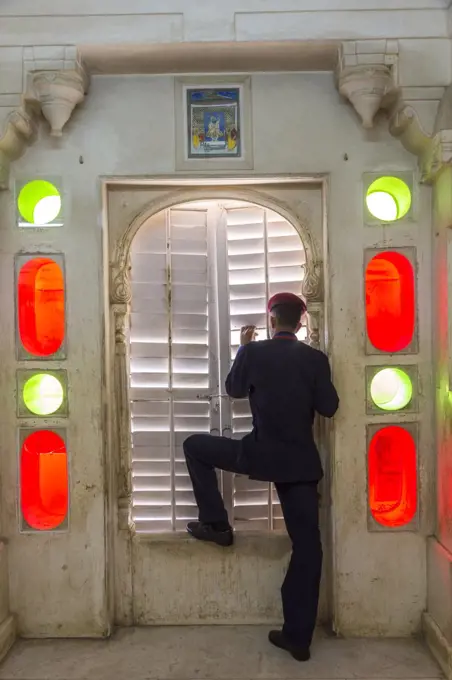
(286,382)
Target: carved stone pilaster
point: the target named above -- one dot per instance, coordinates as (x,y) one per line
(20,132)
(122,409)
(314,329)
(367,77)
(58,93)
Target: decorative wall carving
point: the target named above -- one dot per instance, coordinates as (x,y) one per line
(313,282)
(314,328)
(120,288)
(121,315)
(368,89)
(370,83)
(58,93)
(52,92)
(368,79)
(432,151)
(20,132)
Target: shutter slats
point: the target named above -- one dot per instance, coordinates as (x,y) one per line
(265,257)
(168,370)
(171,357)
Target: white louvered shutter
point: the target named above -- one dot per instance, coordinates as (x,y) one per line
(171,370)
(264,256)
(198,275)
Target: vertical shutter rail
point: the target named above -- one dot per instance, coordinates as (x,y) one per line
(169,299)
(267,297)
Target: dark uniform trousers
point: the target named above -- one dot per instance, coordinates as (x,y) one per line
(299,501)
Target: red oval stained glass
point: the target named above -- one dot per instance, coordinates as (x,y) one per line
(392,477)
(44,485)
(41,306)
(390,301)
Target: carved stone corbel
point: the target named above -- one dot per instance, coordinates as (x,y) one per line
(58,93)
(432,151)
(20,132)
(368,89)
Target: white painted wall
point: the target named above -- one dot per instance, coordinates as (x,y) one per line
(126,127)
(110,22)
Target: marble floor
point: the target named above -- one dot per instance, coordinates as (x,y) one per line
(214,653)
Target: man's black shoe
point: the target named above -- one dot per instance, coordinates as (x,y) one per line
(278,639)
(206,532)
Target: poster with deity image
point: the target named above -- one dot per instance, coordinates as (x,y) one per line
(213,117)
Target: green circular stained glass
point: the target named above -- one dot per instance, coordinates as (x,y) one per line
(388,199)
(391,389)
(39,202)
(43,394)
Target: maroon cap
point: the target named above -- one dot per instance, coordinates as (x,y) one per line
(286,299)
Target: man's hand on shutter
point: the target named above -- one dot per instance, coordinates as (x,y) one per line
(247,334)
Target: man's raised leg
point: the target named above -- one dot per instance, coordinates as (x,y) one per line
(204,454)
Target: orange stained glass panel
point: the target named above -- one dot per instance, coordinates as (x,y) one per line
(392,476)
(44,485)
(41,306)
(390,301)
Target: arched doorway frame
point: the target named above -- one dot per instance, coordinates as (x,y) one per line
(119,299)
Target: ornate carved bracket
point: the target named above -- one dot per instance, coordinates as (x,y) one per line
(368,80)
(58,93)
(20,132)
(368,89)
(54,93)
(432,151)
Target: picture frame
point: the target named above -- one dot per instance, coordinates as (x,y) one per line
(213,123)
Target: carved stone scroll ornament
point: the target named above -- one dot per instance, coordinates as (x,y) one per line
(121,287)
(432,151)
(122,414)
(312,288)
(20,132)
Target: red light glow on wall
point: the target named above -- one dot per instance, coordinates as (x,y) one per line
(41,306)
(392,477)
(44,480)
(390,301)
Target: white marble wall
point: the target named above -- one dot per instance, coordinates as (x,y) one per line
(301,126)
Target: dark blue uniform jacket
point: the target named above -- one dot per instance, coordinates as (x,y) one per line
(286,382)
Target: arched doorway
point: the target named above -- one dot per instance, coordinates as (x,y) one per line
(186,275)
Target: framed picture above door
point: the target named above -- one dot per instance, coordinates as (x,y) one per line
(213,123)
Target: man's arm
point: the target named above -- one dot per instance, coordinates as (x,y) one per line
(237,382)
(326,400)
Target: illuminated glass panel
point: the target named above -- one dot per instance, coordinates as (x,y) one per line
(44,480)
(43,394)
(388,199)
(392,477)
(39,203)
(391,389)
(41,306)
(390,301)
